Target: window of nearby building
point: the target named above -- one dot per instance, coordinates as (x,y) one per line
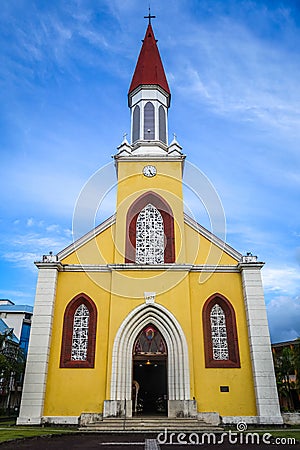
(220,334)
(149,127)
(79,333)
(24,338)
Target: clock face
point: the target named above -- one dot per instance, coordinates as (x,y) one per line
(149,171)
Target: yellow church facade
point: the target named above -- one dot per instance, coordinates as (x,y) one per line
(149,313)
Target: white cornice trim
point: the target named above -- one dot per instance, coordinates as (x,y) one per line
(136,158)
(142,267)
(212,238)
(87,237)
(148,87)
(49,265)
(85,268)
(212,269)
(152,267)
(251,265)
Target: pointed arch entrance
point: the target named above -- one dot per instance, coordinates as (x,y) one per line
(149,373)
(178,373)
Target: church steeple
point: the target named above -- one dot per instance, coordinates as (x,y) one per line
(149,99)
(149,69)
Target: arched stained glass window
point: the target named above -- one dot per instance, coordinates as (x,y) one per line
(80,334)
(168,227)
(149,236)
(218,333)
(149,127)
(149,342)
(136,124)
(162,124)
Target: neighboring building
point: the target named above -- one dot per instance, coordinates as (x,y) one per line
(149,313)
(15,323)
(19,318)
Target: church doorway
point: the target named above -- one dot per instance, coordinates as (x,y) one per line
(150,373)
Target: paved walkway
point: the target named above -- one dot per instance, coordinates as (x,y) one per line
(130,441)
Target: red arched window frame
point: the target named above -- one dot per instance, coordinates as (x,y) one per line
(66,348)
(232,339)
(167,215)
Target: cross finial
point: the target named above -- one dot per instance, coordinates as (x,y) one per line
(149,16)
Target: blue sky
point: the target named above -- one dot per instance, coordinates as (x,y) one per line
(233,69)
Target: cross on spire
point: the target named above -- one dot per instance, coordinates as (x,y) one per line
(149,16)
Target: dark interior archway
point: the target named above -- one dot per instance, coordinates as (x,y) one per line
(150,373)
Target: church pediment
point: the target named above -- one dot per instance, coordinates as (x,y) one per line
(97,246)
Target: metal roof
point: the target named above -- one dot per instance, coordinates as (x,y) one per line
(16,309)
(4,329)
(149,68)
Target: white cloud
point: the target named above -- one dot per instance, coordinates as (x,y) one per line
(30,222)
(53,228)
(12,294)
(22,259)
(285,280)
(236,73)
(24,248)
(38,241)
(284,318)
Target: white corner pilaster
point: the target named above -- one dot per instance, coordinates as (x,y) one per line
(267,403)
(32,403)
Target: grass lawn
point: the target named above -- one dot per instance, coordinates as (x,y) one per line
(281,433)
(285,433)
(9,431)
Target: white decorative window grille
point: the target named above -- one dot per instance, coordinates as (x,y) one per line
(80,334)
(219,333)
(149,236)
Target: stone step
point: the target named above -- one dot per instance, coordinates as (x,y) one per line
(149,424)
(148,429)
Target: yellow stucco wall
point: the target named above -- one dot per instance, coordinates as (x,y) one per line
(99,250)
(73,391)
(116,293)
(240,400)
(199,250)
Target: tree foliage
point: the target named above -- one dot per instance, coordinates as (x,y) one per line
(287,366)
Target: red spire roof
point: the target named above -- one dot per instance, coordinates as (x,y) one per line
(149,68)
